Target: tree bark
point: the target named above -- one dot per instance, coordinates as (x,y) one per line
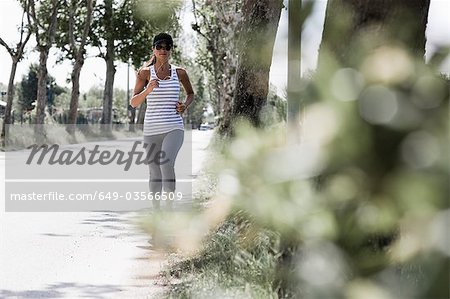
(44,48)
(218,25)
(74,97)
(366,27)
(110,69)
(109,85)
(16,56)
(294,69)
(256,37)
(78,64)
(9,100)
(41,100)
(354,27)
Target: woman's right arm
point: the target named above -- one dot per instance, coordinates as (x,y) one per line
(140,90)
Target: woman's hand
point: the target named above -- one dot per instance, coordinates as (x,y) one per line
(151,85)
(181,107)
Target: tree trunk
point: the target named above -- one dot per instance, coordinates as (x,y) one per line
(141,116)
(354,27)
(367,27)
(73,110)
(256,37)
(110,69)
(108,92)
(44,48)
(79,53)
(9,99)
(16,56)
(41,100)
(132,112)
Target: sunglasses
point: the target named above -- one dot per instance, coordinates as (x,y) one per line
(160,47)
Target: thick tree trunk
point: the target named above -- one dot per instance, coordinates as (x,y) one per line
(366,27)
(108,92)
(110,69)
(9,99)
(354,27)
(226,89)
(73,110)
(44,48)
(132,112)
(296,20)
(79,53)
(41,100)
(217,82)
(16,56)
(256,37)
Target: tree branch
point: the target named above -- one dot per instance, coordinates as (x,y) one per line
(52,27)
(22,43)
(10,51)
(72,7)
(34,24)
(87,24)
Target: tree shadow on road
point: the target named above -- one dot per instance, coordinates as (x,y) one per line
(66,290)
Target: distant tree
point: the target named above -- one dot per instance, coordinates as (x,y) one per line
(43,16)
(197,108)
(29,86)
(16,55)
(216,23)
(123,30)
(72,38)
(277,104)
(121,111)
(142,20)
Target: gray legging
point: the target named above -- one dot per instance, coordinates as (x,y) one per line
(162,175)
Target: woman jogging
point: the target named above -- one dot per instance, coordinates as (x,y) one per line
(158,81)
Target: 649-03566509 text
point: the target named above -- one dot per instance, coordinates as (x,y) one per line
(98,195)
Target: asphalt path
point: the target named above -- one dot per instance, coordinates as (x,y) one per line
(81,254)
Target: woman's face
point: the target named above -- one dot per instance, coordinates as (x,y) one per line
(162,51)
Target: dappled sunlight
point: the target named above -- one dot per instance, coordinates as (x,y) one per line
(367,289)
(355,210)
(322,266)
(378,105)
(388,65)
(333,187)
(420,149)
(346,84)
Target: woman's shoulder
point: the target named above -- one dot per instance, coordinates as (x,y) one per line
(180,70)
(143,73)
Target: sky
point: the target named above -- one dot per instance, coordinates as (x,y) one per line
(94,69)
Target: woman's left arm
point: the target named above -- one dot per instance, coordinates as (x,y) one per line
(184,79)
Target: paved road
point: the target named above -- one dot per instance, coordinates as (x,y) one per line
(80,254)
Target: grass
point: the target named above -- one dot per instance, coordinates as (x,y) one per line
(237,260)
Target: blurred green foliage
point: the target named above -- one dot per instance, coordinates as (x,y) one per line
(361,203)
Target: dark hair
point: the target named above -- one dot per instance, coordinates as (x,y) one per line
(163,37)
(159,38)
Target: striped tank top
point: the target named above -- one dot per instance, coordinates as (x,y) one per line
(161,115)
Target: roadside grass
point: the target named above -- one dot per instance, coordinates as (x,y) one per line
(237,260)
